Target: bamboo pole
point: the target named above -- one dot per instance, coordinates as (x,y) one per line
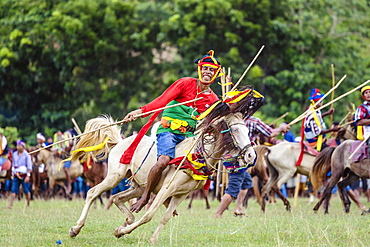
(279,118)
(223,86)
(229,79)
(344,125)
(119,122)
(249,66)
(343,119)
(345,94)
(304,114)
(358,147)
(332,94)
(223,180)
(336,99)
(77,128)
(218,179)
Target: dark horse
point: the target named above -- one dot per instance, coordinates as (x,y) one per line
(336,160)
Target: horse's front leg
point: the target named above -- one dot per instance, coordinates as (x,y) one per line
(108,183)
(121,198)
(158,201)
(175,201)
(161,197)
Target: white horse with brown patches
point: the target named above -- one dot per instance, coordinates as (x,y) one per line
(222,132)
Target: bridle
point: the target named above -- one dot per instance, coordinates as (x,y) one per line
(208,139)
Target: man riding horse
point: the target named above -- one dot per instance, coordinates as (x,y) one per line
(314,127)
(178,122)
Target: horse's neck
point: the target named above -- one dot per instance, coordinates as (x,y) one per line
(184,147)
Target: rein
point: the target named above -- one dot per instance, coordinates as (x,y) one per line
(226,157)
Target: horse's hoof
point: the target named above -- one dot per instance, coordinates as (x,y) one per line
(365,212)
(117,233)
(153,240)
(72,234)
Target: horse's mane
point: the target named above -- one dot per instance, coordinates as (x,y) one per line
(97,137)
(246,106)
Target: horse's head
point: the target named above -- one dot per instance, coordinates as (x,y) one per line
(44,156)
(225,124)
(235,139)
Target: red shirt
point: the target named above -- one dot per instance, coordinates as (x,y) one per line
(182,90)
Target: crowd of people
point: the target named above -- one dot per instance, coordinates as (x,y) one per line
(180,121)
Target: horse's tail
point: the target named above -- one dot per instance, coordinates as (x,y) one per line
(99,136)
(261,152)
(321,167)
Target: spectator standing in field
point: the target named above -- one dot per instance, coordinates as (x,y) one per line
(239,179)
(22,168)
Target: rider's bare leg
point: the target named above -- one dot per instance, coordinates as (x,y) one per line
(225,202)
(153,179)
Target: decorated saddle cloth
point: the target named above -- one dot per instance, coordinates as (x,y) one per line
(194,167)
(361,153)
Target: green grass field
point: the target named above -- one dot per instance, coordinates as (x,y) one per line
(46,222)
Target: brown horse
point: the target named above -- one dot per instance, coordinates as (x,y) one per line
(202,193)
(94,173)
(336,160)
(54,172)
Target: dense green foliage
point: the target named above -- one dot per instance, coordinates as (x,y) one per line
(79,58)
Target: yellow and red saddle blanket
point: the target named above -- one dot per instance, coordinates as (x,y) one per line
(194,166)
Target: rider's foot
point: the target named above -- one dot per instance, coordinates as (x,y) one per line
(137,206)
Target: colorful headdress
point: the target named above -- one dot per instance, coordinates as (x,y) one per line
(236,95)
(315,95)
(22,143)
(211,61)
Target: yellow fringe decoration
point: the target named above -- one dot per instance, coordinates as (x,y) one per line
(206,112)
(85,149)
(319,138)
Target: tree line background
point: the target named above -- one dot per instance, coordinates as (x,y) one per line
(79,58)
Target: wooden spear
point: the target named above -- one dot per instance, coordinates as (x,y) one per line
(332,94)
(279,118)
(359,146)
(304,114)
(119,122)
(250,65)
(336,99)
(78,130)
(223,86)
